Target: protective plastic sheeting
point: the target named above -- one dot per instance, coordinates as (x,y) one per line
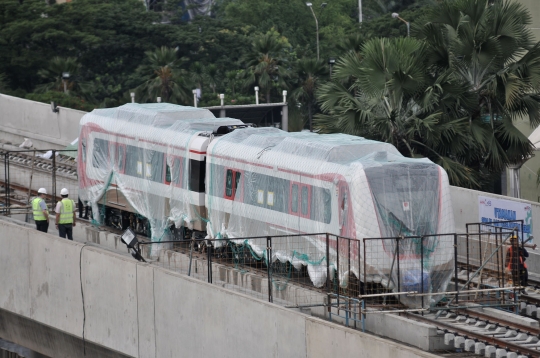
(137,158)
(264,181)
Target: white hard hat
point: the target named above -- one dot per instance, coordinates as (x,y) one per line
(42,191)
(64,192)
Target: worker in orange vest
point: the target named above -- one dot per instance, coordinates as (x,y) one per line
(516,263)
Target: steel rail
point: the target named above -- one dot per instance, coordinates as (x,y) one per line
(462,332)
(529,299)
(490,319)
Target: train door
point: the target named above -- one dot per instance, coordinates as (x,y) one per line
(300,199)
(233,189)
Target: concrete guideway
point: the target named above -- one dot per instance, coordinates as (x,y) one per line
(140,310)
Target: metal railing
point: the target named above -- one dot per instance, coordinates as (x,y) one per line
(329,272)
(25,171)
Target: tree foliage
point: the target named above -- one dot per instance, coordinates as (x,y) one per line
(451,95)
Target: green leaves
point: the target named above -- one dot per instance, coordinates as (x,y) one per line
(163,78)
(451,95)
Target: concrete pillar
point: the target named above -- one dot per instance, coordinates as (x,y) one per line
(194,98)
(222,113)
(285,117)
(515,190)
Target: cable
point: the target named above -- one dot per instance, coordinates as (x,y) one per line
(82,295)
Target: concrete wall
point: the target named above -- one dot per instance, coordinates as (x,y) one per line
(145,311)
(465,205)
(22,118)
(534,8)
(529,189)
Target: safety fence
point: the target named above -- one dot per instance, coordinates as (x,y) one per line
(26,171)
(485,261)
(291,270)
(347,277)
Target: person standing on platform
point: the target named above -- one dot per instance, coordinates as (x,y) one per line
(41,211)
(65,215)
(515,263)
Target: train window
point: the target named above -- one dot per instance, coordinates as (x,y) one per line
(120,157)
(154,165)
(305,200)
(168,174)
(101,153)
(327,202)
(294,198)
(270,198)
(237,181)
(177,171)
(134,164)
(260,196)
(229,184)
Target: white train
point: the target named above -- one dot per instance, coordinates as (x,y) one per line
(153,166)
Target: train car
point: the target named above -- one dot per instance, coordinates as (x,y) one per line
(263,181)
(143,166)
(154,167)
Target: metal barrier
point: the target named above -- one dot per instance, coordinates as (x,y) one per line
(406,264)
(291,270)
(329,272)
(25,171)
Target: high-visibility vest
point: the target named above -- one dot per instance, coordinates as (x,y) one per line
(66,211)
(36,209)
(511,261)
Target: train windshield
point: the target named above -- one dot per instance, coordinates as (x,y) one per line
(406,198)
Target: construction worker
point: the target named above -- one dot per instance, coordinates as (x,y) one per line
(515,263)
(65,215)
(41,211)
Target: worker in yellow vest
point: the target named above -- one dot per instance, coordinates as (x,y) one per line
(65,215)
(40,211)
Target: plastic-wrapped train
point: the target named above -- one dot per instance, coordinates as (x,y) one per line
(157,166)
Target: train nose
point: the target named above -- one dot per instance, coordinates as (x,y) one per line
(406,198)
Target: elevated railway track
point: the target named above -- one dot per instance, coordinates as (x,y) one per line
(463,329)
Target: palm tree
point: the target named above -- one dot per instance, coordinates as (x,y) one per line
(211,75)
(232,79)
(197,74)
(487,45)
(385,93)
(265,64)
(164,78)
(54,71)
(452,96)
(309,72)
(351,43)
